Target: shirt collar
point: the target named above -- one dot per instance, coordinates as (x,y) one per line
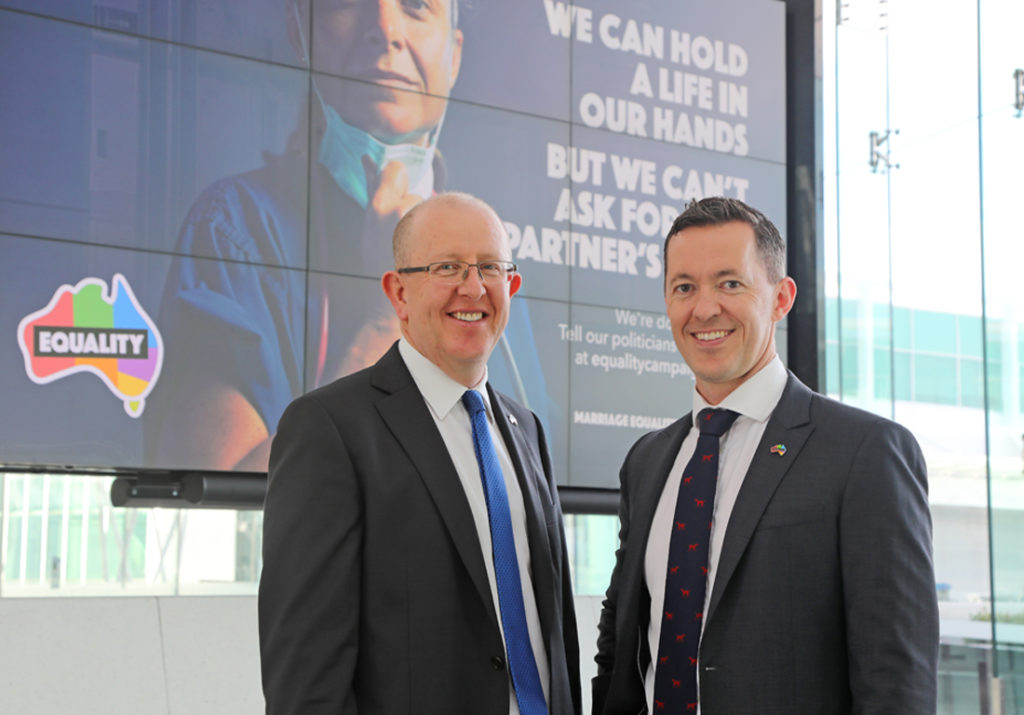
(756,397)
(439,390)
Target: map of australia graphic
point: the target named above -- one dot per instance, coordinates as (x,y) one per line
(85,328)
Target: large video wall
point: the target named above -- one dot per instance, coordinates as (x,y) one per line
(197,198)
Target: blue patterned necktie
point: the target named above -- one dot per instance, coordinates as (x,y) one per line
(675,675)
(522,665)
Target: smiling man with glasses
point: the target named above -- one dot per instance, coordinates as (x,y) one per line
(414,552)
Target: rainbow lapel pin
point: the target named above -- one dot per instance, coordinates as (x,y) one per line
(779,449)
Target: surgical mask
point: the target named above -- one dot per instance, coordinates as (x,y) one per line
(344,146)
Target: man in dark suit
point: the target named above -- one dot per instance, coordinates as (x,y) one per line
(414,552)
(817,592)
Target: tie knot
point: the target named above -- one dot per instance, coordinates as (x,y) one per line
(715,422)
(473,402)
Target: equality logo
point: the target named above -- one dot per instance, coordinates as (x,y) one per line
(86,328)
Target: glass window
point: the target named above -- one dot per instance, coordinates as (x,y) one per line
(994,367)
(903,375)
(935,379)
(901,327)
(850,382)
(969,334)
(952,279)
(592,541)
(62,537)
(883,374)
(972,383)
(934,332)
(882,325)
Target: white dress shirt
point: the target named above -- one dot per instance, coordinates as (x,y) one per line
(443,396)
(754,400)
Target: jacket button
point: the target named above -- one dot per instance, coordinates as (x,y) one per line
(498,663)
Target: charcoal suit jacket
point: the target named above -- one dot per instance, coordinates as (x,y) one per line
(374,598)
(825,596)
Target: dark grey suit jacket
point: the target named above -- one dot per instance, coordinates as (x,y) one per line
(374,598)
(825,597)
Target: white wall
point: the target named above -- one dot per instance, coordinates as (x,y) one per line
(129,655)
(184,655)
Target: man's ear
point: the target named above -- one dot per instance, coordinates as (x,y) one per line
(515,284)
(785,295)
(456,57)
(391,283)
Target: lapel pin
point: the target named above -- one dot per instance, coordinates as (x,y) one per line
(779,449)
(513,420)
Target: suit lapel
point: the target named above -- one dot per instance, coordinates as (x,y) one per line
(533,484)
(529,473)
(406,414)
(652,484)
(789,425)
(647,482)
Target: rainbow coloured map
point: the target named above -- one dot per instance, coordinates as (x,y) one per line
(85,328)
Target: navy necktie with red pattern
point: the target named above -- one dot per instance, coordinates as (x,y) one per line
(675,675)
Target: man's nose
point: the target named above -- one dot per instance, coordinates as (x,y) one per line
(472,285)
(707,305)
(383,20)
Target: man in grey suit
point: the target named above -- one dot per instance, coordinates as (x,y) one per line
(818,581)
(384,588)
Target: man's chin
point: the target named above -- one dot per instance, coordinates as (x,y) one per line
(711,376)
(471,350)
(391,123)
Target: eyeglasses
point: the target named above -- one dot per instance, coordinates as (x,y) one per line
(454,272)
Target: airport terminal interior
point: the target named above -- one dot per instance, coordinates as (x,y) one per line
(884,137)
